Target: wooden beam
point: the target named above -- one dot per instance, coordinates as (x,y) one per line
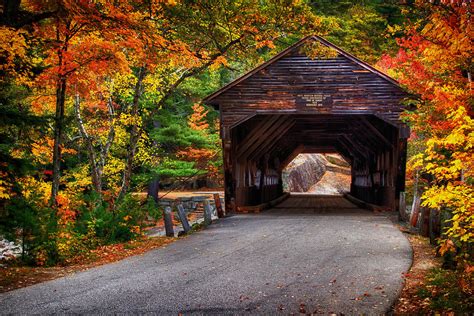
(344,153)
(319,149)
(270,141)
(372,128)
(357,141)
(261,137)
(256,132)
(344,140)
(298,150)
(364,138)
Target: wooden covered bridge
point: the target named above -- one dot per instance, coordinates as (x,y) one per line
(312,97)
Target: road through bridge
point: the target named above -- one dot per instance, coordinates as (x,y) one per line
(309,254)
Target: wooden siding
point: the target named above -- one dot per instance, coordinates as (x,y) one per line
(297,83)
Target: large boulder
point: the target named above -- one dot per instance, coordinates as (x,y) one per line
(303,172)
(318,174)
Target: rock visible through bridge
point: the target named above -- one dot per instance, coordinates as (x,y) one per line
(309,254)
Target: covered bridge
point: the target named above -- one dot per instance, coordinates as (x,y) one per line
(312,97)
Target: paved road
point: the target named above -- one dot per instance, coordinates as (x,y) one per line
(312,259)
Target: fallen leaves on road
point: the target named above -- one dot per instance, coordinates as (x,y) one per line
(302,308)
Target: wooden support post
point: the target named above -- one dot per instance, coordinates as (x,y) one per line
(415,209)
(183,218)
(207,213)
(168,219)
(435,226)
(217,202)
(229,169)
(401,165)
(402,207)
(425,222)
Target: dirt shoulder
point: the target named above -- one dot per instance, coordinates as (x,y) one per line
(424,260)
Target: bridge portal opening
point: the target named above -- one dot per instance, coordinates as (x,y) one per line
(320,174)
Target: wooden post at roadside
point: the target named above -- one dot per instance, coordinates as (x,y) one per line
(425,222)
(168,218)
(435,225)
(415,210)
(402,207)
(183,218)
(207,213)
(217,202)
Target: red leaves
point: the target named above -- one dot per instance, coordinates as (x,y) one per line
(64,211)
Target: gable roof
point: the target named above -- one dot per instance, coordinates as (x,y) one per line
(209,99)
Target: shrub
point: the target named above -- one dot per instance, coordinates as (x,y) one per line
(54,235)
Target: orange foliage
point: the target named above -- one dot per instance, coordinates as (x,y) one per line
(201,156)
(64,211)
(197,120)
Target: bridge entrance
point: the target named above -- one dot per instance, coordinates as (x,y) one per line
(311,98)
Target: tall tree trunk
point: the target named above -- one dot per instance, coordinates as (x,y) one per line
(154,184)
(134,134)
(96,171)
(153,189)
(58,132)
(61,86)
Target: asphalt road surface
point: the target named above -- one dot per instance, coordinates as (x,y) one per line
(308,255)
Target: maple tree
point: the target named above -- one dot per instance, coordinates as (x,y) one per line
(435,62)
(89,87)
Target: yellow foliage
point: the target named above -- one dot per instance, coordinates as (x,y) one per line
(113,170)
(77,180)
(13,47)
(450,160)
(32,188)
(5,187)
(41,150)
(221,60)
(316,50)
(144,151)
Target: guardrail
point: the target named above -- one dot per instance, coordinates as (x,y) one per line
(204,208)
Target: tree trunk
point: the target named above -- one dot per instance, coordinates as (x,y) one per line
(153,189)
(134,135)
(153,186)
(58,132)
(96,172)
